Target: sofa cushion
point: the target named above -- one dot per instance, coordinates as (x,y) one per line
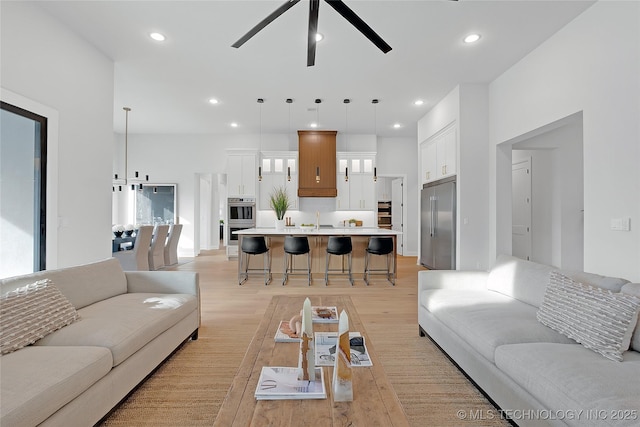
(487,319)
(572,378)
(31,312)
(125,323)
(634,289)
(82,285)
(597,318)
(37,381)
(520,279)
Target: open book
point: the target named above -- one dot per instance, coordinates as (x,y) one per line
(279,383)
(325,349)
(285,333)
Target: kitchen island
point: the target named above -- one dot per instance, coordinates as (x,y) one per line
(318,243)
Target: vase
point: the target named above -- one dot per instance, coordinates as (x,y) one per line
(280,224)
(118,233)
(128,233)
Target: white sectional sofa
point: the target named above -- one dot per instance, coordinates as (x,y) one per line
(486,322)
(127,324)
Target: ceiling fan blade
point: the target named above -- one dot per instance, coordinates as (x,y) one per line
(362,26)
(314,5)
(266,21)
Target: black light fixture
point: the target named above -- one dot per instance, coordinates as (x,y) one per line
(126,180)
(346,102)
(289,101)
(375,132)
(260,101)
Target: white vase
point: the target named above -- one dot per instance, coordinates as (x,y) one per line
(280,224)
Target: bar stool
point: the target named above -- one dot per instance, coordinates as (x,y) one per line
(379,246)
(254,245)
(296,245)
(338,245)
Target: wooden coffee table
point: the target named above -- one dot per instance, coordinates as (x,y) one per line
(374,401)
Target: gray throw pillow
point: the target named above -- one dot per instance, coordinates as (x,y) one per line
(597,318)
(32,312)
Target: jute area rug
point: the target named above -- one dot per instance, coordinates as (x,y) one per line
(190,387)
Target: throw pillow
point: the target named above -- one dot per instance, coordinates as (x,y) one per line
(32,312)
(597,318)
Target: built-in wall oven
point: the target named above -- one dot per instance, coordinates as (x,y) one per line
(242,215)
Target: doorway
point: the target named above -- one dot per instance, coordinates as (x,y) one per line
(557,193)
(391,197)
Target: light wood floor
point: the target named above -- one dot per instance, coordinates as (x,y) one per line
(430,388)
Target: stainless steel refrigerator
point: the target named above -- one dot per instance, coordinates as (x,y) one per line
(438,224)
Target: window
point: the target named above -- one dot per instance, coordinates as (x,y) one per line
(23,164)
(156,204)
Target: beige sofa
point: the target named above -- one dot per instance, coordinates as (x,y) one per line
(127,324)
(487,323)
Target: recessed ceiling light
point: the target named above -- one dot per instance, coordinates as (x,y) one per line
(314,125)
(397,125)
(234,125)
(418,102)
(157,37)
(472,38)
(319,37)
(213,101)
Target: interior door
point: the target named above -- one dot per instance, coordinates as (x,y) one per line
(397,211)
(521,209)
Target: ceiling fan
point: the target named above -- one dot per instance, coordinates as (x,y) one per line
(314,5)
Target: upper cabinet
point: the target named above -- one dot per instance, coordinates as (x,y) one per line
(317,163)
(279,169)
(438,156)
(356,186)
(241,174)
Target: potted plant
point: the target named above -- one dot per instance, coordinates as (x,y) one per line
(279,202)
(128,230)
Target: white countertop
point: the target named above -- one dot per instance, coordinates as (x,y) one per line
(336,231)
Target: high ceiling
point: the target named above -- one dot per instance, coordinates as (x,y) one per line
(168,85)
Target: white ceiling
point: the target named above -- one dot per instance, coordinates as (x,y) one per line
(168,84)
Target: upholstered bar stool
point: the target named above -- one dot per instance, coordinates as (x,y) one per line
(338,245)
(253,245)
(380,246)
(296,245)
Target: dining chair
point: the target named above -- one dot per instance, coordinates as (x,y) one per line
(137,259)
(171,247)
(156,251)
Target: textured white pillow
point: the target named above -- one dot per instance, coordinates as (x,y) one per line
(597,318)
(32,312)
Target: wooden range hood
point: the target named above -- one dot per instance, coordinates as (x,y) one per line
(317,163)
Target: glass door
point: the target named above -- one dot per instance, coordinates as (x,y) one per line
(23,155)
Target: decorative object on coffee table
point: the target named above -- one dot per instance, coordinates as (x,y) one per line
(342,376)
(306,361)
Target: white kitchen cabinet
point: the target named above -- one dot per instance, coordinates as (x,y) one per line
(358,192)
(438,156)
(278,169)
(241,174)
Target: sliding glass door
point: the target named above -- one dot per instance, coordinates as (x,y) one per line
(23,154)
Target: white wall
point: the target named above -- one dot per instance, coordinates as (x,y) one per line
(590,66)
(74,81)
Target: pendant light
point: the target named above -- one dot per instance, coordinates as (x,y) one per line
(260,102)
(289,101)
(375,132)
(136,181)
(318,101)
(346,136)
